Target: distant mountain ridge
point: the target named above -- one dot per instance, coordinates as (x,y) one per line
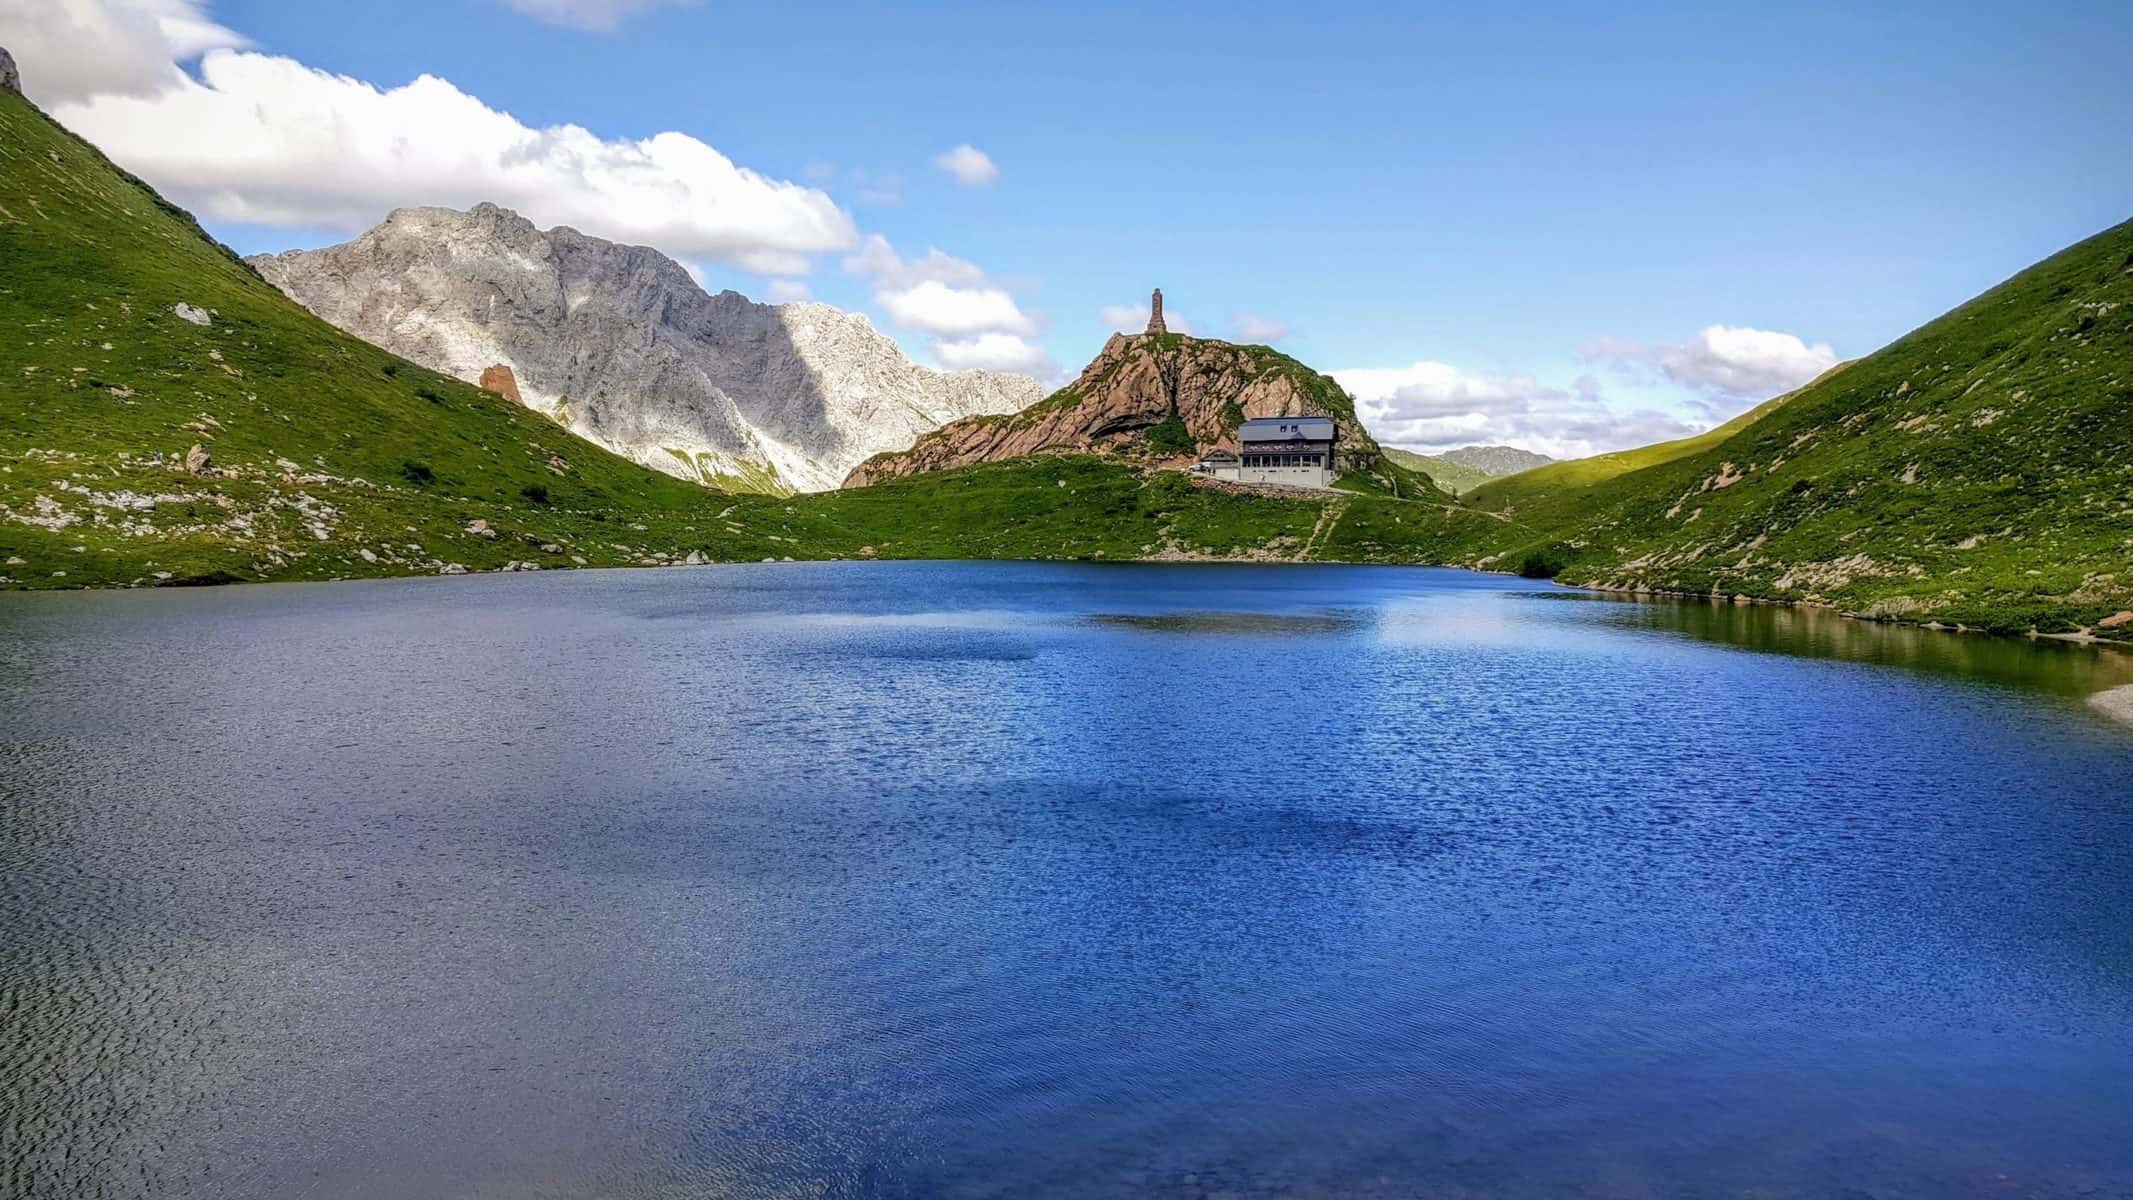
(620,344)
(1496,460)
(1469,467)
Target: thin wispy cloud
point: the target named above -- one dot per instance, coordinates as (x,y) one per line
(1435,406)
(595,16)
(1257,329)
(1132,318)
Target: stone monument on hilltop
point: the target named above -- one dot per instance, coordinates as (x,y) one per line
(1155,314)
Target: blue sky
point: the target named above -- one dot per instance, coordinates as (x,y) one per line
(1547,207)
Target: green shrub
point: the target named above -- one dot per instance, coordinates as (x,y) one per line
(1171,437)
(1549,561)
(536,493)
(417,473)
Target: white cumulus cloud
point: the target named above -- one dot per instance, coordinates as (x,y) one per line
(971,166)
(934,307)
(266,139)
(599,16)
(974,321)
(1434,406)
(69,50)
(877,259)
(996,352)
(1726,360)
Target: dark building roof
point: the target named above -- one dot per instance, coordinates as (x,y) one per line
(1218,456)
(1285,429)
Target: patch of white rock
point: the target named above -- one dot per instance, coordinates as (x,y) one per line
(620,344)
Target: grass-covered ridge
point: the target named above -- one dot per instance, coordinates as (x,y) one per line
(1978,471)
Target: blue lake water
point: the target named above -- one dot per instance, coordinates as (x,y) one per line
(946,880)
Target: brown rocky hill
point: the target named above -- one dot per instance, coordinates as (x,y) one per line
(1162,398)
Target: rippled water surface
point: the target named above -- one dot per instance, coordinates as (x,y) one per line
(1020,880)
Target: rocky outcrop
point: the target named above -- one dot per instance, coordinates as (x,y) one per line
(620,344)
(1134,385)
(10,79)
(500,380)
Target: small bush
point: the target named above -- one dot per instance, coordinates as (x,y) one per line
(210,578)
(1548,561)
(417,473)
(536,493)
(1171,437)
(429,393)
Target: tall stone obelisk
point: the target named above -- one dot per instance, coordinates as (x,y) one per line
(1155,314)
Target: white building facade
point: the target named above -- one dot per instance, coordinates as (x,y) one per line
(1284,451)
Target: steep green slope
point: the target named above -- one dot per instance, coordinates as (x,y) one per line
(1977,471)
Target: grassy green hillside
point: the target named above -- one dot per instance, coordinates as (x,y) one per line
(1977,471)
(328,457)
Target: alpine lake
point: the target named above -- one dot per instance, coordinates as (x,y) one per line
(975,880)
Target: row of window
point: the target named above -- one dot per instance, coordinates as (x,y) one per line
(1284,460)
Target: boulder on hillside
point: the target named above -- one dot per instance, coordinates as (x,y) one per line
(500,380)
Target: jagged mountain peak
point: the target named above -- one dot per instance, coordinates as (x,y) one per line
(623,345)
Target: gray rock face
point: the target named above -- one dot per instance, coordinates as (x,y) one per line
(10,79)
(621,345)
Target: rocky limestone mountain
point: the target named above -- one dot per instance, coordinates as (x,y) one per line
(1162,397)
(621,345)
(10,79)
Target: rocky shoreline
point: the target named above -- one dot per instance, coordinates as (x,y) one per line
(2115,703)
